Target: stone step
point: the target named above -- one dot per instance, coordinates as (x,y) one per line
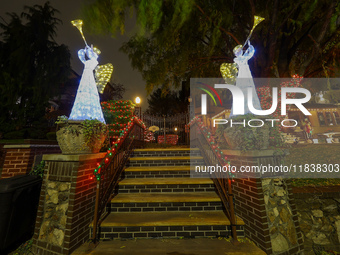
(167,224)
(162,152)
(164,161)
(160,181)
(183,184)
(166,197)
(156,174)
(174,201)
(157,168)
(165,207)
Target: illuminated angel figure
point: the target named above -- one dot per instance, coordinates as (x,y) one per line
(244,79)
(240,69)
(87,103)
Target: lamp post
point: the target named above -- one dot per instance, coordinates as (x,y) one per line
(138,108)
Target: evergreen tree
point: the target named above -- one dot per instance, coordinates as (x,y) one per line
(32,65)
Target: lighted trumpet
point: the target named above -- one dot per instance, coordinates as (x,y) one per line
(78,23)
(257,20)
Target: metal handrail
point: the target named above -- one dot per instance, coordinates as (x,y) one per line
(222,184)
(111,171)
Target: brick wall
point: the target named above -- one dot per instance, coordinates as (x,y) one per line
(65,169)
(19,159)
(251,206)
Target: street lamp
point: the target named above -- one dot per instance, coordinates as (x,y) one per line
(138,108)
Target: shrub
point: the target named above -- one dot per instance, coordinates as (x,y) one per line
(51,136)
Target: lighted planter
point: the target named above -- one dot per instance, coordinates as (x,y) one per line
(76,138)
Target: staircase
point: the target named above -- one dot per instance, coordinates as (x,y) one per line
(157,198)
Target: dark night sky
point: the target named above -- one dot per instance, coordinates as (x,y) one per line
(70,36)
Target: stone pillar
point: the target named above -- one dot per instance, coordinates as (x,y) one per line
(266,206)
(19,158)
(66,204)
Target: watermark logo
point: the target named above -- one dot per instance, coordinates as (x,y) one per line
(238,104)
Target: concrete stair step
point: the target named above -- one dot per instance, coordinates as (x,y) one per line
(164,161)
(160,152)
(166,197)
(167,224)
(168,184)
(157,168)
(167,219)
(166,149)
(166,158)
(163,181)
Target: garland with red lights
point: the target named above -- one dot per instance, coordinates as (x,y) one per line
(265,95)
(117,114)
(213,145)
(115,146)
(170,139)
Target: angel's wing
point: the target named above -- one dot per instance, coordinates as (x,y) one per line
(103,76)
(229,71)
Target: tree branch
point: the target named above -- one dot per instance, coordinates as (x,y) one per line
(221,28)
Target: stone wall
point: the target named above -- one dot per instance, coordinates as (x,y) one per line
(66,206)
(266,206)
(19,158)
(319,217)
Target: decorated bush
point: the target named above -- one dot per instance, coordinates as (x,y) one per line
(117,114)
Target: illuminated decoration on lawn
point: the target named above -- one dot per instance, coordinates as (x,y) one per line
(244,78)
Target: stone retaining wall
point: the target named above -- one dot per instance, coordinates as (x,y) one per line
(66,206)
(266,205)
(319,217)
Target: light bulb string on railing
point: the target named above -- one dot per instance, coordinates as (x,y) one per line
(115,146)
(215,149)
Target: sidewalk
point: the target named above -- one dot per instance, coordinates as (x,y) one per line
(198,246)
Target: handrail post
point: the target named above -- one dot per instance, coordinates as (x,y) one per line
(95,219)
(232,214)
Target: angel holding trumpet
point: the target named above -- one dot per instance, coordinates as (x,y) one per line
(240,69)
(87,103)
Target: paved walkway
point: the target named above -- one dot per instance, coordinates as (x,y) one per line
(198,246)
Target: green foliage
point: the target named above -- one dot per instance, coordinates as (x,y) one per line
(15,135)
(177,40)
(32,66)
(24,249)
(250,138)
(51,136)
(93,130)
(63,121)
(118,111)
(38,170)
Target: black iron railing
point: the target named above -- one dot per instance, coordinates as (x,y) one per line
(107,174)
(199,138)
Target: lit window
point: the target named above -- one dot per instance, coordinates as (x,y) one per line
(337,118)
(321,119)
(329,118)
